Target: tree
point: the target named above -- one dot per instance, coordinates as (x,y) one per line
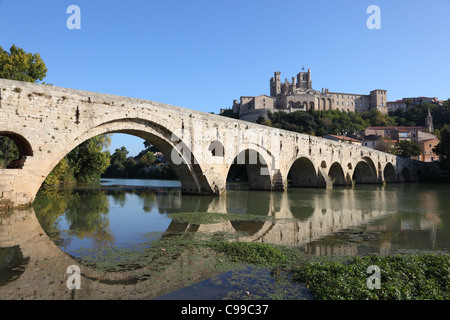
(442,149)
(89,160)
(21,66)
(385,144)
(117,163)
(148,158)
(8,151)
(61,174)
(407,149)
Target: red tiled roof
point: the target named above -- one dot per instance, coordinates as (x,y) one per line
(393,128)
(344,138)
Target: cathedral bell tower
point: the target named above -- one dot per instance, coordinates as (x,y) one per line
(429,121)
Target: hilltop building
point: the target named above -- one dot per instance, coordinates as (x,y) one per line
(422,136)
(298,94)
(405,103)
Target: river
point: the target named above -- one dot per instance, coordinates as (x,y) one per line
(66,224)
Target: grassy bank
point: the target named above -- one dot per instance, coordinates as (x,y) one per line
(424,276)
(402,277)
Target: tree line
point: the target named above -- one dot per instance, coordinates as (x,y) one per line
(323,122)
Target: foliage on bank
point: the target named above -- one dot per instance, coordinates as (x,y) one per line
(86,163)
(143,166)
(403,277)
(323,122)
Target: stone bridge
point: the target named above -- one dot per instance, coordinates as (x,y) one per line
(47,122)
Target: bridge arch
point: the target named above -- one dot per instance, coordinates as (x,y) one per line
(303,173)
(23,146)
(182,160)
(389,174)
(336,174)
(257,162)
(406,174)
(365,171)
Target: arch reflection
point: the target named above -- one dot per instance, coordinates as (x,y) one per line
(300,217)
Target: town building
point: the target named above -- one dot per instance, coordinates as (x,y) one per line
(427,146)
(397,105)
(373,136)
(298,94)
(406,103)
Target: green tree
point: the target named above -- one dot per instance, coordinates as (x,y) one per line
(90,160)
(22,66)
(8,151)
(442,149)
(117,163)
(407,149)
(148,158)
(61,174)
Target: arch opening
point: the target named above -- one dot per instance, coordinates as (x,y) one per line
(14,150)
(302,174)
(406,174)
(336,175)
(365,172)
(249,170)
(389,173)
(178,156)
(216,148)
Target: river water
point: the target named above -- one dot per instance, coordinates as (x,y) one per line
(37,245)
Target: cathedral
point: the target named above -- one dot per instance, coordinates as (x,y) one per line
(298,94)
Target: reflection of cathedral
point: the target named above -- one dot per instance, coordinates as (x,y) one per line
(298,94)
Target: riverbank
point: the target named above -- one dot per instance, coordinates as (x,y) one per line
(261,271)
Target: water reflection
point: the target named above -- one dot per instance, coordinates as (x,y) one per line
(302,217)
(368,219)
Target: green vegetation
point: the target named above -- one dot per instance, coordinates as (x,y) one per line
(403,277)
(407,149)
(208,217)
(21,66)
(8,151)
(86,163)
(89,160)
(320,123)
(144,166)
(256,253)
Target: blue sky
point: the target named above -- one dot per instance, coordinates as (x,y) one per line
(203,54)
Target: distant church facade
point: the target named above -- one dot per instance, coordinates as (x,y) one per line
(298,94)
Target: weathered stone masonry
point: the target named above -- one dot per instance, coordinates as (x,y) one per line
(47,122)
